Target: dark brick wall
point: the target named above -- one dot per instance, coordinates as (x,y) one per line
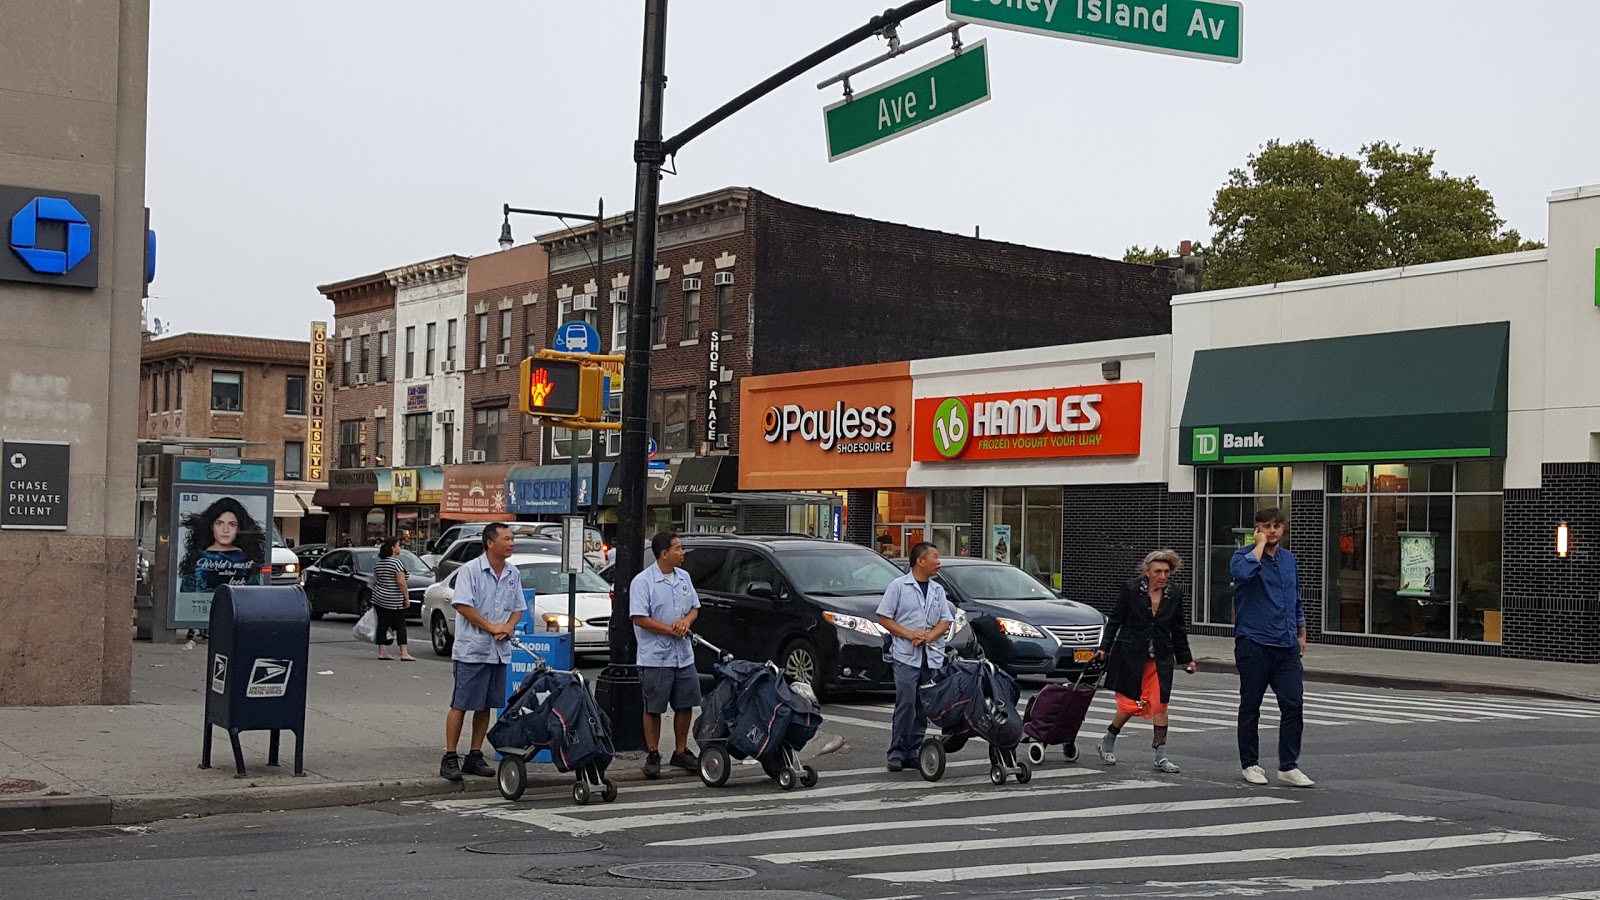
(1550,605)
(861,507)
(1106,530)
(906,293)
(976,505)
(1307,539)
(493,386)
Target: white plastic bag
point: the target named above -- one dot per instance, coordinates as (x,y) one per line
(366,628)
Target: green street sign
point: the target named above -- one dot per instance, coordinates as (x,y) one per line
(1202,29)
(930,94)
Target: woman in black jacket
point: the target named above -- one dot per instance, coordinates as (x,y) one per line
(1144,638)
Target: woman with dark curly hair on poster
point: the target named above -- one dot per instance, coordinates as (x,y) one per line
(225,545)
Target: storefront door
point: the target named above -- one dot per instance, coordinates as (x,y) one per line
(1023,528)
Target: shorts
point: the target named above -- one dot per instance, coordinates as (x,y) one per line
(479,686)
(664,686)
(1149,695)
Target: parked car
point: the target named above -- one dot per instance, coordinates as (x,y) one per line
(806,603)
(470,548)
(308,554)
(435,551)
(1050,636)
(541,573)
(341,581)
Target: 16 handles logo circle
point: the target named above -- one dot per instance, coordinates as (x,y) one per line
(952,425)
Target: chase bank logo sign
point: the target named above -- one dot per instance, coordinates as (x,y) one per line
(51,237)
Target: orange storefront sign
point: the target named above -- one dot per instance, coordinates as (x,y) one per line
(826,430)
(1099,420)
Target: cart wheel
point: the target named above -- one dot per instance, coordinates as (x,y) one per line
(512,778)
(1035,753)
(580,793)
(1024,772)
(609,793)
(714,766)
(786,780)
(1071,750)
(809,778)
(930,760)
(997,774)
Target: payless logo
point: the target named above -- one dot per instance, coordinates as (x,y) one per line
(847,429)
(1207,444)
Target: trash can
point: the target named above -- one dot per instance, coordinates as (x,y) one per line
(256,673)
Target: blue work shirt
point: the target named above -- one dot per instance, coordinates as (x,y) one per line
(496,598)
(1266,597)
(665,598)
(905,603)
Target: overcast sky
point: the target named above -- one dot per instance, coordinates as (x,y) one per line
(294,143)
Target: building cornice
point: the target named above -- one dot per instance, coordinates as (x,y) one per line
(432,271)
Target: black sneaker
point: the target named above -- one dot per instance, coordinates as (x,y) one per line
(450,767)
(475,764)
(686,760)
(652,765)
(896,765)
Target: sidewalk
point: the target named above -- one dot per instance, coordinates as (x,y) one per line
(374,732)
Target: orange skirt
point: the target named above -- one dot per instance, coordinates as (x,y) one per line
(1149,704)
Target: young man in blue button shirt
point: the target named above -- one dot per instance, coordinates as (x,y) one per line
(488,604)
(916,611)
(663,603)
(1269,637)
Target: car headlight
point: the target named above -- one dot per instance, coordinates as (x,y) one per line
(291,568)
(558,622)
(855,623)
(1016,628)
(959,623)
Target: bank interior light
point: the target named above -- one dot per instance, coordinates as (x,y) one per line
(1562,534)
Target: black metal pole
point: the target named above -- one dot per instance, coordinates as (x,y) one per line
(617,689)
(595,487)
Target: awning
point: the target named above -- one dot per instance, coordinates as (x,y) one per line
(701,476)
(287,504)
(547,489)
(1432,393)
(475,492)
(343,497)
(658,489)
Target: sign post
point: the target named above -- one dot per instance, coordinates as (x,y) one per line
(917,99)
(1199,29)
(572,538)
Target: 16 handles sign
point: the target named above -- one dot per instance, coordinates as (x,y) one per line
(1103,420)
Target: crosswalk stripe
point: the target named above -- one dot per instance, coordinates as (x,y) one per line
(1479,706)
(1267,713)
(1573,895)
(1257,854)
(1094,812)
(1444,705)
(1232,829)
(852,720)
(1322,704)
(542,818)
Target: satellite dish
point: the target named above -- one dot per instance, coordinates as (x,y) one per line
(158,326)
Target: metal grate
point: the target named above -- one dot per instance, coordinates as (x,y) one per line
(1076,635)
(535,846)
(683,872)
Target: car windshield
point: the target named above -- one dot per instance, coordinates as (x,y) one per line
(547,578)
(414,564)
(841,570)
(995,583)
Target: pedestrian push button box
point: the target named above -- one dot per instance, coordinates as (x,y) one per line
(256,668)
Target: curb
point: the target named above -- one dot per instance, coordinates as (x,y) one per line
(42,813)
(1413,683)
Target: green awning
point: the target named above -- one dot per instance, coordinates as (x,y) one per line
(1433,393)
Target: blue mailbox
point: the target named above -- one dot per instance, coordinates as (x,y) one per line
(256,668)
(555,648)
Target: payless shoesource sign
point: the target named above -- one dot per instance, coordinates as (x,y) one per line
(1098,420)
(826,430)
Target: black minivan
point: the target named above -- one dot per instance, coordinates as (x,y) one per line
(806,603)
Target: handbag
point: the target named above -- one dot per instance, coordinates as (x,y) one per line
(366,627)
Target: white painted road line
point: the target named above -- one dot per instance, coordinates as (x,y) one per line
(1258,854)
(1094,812)
(1232,829)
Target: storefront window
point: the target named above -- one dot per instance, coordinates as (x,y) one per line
(1024,529)
(1226,502)
(904,521)
(1415,550)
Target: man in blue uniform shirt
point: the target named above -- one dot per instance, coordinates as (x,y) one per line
(663,603)
(1269,637)
(916,611)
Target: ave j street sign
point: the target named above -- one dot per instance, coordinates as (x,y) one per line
(930,94)
(1202,29)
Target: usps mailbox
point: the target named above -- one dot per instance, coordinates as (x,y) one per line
(256,668)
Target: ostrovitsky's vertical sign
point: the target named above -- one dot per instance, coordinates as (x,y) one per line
(317,404)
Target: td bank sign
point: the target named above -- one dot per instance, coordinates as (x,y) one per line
(1211,445)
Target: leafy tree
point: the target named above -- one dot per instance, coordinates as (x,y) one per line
(1140,256)
(1297,211)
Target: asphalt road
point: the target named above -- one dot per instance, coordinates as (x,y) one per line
(1419,796)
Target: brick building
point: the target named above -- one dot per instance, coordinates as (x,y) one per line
(361,376)
(241,397)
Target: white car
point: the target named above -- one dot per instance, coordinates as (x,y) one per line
(542,574)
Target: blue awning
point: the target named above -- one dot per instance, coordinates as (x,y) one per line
(546,489)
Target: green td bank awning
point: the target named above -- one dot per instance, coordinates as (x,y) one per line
(1434,393)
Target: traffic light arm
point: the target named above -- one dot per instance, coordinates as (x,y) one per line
(581,424)
(580,357)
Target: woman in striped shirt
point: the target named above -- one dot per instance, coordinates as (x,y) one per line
(389,590)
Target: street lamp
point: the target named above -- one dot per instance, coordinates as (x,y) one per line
(506,243)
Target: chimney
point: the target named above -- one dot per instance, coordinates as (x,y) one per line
(1185,248)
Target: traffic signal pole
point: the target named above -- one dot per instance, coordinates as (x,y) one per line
(617,688)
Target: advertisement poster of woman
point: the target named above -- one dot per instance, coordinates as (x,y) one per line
(223,540)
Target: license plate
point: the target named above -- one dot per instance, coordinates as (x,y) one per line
(1082,655)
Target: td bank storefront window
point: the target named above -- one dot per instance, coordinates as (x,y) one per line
(1226,502)
(1414,550)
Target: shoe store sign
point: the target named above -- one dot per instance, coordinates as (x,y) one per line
(1098,420)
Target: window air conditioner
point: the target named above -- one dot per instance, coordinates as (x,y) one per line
(361,378)
(501,359)
(476,456)
(722,278)
(584,303)
(446,416)
(691,284)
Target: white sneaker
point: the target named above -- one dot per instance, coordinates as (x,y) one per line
(1255,775)
(1294,778)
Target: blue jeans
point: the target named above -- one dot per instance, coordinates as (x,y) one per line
(909,725)
(1261,666)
